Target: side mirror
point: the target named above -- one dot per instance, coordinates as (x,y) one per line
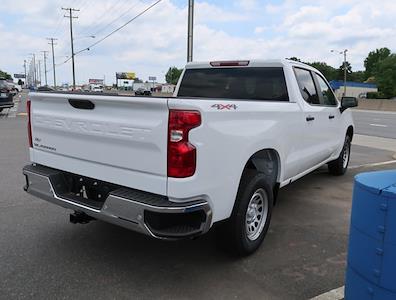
(348,102)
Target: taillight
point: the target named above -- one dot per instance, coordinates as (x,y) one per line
(182,155)
(29,124)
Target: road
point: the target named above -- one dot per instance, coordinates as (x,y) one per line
(43,256)
(373,123)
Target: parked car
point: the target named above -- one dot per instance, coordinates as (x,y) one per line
(97,89)
(17,88)
(6,96)
(142,92)
(44,88)
(65,88)
(218,152)
(86,88)
(11,87)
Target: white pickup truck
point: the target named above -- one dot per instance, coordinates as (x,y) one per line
(219,150)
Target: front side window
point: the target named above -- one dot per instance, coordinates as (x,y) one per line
(307,86)
(328,97)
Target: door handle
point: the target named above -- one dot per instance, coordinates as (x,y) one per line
(81,104)
(331,117)
(309,118)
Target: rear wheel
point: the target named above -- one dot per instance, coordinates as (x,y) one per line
(245,230)
(340,165)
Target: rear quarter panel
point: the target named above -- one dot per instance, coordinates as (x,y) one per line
(225,141)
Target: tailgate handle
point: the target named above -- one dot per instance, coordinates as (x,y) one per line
(81,104)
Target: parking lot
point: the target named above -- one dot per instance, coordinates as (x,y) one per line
(44,256)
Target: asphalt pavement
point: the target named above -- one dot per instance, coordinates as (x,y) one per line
(375,123)
(43,256)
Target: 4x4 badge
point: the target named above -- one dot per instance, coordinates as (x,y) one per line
(224,106)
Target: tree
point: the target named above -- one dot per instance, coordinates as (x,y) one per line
(358,76)
(340,71)
(328,71)
(373,59)
(173,74)
(385,75)
(5,75)
(137,80)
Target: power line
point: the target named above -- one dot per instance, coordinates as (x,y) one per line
(115,30)
(116,19)
(97,21)
(84,4)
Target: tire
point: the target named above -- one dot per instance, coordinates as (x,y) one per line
(1,109)
(340,165)
(244,232)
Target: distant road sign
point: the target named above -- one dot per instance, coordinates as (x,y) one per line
(19,75)
(152,78)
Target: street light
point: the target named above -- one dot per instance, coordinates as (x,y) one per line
(344,52)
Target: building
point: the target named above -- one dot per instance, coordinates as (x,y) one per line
(125,84)
(353,89)
(168,88)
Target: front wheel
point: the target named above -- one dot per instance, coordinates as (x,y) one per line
(340,165)
(245,230)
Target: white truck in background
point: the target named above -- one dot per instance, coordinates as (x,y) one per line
(217,152)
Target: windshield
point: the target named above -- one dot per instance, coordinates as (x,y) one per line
(266,83)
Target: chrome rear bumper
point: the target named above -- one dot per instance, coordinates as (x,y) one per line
(140,211)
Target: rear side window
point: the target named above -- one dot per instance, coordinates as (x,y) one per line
(266,83)
(307,85)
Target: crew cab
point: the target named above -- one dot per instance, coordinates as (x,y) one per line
(215,153)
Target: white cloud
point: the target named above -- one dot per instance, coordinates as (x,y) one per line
(246,29)
(306,14)
(247,4)
(205,12)
(260,29)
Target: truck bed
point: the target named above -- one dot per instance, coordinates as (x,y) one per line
(114,138)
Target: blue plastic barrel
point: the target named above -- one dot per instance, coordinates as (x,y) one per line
(371,267)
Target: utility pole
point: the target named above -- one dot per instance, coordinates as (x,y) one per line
(39,70)
(190,30)
(53,57)
(45,66)
(70,16)
(34,68)
(24,67)
(345,70)
(344,64)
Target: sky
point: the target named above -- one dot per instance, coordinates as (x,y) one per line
(148,46)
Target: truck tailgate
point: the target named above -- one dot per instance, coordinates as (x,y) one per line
(122,140)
